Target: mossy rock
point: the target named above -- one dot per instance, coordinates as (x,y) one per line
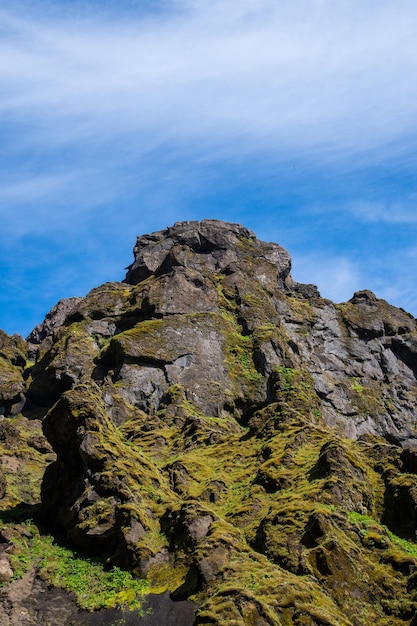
(200,415)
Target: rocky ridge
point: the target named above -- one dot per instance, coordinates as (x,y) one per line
(226,433)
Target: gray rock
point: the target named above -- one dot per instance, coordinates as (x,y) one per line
(53,320)
(6,572)
(216,245)
(208,307)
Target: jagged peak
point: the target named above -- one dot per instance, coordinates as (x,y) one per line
(218,245)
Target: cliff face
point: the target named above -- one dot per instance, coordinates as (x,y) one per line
(229,434)
(198,292)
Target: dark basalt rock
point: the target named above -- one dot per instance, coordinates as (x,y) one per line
(228,434)
(13,359)
(54,319)
(29,602)
(157,610)
(359,356)
(214,246)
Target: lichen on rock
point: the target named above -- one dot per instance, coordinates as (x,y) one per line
(228,434)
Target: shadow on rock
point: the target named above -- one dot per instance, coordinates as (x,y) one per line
(158,608)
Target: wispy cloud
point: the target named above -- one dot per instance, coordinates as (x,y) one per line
(118,118)
(258,72)
(336,277)
(98,94)
(390,277)
(394,212)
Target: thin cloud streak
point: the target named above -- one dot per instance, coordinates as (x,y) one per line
(400,212)
(33,187)
(117,120)
(207,71)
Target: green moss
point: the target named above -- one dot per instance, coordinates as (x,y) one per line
(407,546)
(265,332)
(93,586)
(22,465)
(364,520)
(294,391)
(238,350)
(13,349)
(285,546)
(356,386)
(9,373)
(107,300)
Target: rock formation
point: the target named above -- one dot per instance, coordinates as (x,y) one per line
(228,434)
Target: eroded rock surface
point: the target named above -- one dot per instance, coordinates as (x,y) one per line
(230,435)
(13,360)
(207,306)
(54,319)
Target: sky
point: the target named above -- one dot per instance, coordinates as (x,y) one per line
(296,119)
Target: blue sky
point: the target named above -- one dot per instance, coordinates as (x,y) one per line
(298,120)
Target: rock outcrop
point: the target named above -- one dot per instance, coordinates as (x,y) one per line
(229,434)
(199,292)
(44,332)
(13,356)
(361,355)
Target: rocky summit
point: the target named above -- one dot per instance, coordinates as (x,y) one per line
(213,442)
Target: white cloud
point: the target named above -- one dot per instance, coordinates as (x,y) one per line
(97,98)
(313,76)
(34,187)
(103,103)
(399,212)
(337,278)
(33,203)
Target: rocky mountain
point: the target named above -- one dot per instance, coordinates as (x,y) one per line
(220,431)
